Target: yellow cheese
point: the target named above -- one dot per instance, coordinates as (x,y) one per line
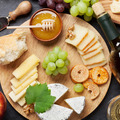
(26,66)
(25,84)
(22,101)
(16,83)
(17,97)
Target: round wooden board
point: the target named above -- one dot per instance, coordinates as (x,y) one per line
(106,5)
(40,49)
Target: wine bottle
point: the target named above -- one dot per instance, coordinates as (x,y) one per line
(112,35)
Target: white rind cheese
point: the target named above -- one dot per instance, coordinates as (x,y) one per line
(76,103)
(57,90)
(56,113)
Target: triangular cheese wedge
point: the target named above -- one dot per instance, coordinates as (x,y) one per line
(76,103)
(56,113)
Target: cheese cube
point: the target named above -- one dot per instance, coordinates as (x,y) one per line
(21,101)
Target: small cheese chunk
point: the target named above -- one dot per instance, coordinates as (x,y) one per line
(22,101)
(56,113)
(26,66)
(76,103)
(57,90)
(115,7)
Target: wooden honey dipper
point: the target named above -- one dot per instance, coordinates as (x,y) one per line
(46,25)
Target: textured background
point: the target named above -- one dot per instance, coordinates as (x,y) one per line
(100,113)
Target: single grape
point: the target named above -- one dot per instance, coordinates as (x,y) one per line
(42,2)
(68,1)
(58,1)
(86,0)
(81,14)
(63,70)
(62,55)
(89,11)
(94,1)
(44,65)
(51,66)
(46,60)
(52,57)
(94,15)
(56,50)
(55,72)
(82,7)
(51,4)
(60,7)
(87,18)
(50,52)
(74,2)
(67,62)
(66,5)
(78,88)
(48,72)
(74,11)
(60,63)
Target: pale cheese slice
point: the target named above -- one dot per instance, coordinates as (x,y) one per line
(15,98)
(99,58)
(87,40)
(80,33)
(21,101)
(26,66)
(16,83)
(115,7)
(56,112)
(25,84)
(76,103)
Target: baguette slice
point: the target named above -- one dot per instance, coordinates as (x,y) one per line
(115,7)
(80,33)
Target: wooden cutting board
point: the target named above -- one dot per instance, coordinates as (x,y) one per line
(41,49)
(106,5)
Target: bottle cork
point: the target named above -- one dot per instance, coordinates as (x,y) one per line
(98,9)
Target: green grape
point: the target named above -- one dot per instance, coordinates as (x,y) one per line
(78,88)
(51,66)
(82,7)
(56,50)
(46,60)
(48,72)
(74,2)
(74,11)
(87,18)
(94,1)
(87,2)
(50,52)
(62,55)
(94,15)
(44,65)
(63,70)
(81,14)
(68,1)
(89,11)
(52,57)
(60,63)
(67,62)
(55,72)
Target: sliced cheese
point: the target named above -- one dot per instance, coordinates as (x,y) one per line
(57,90)
(25,84)
(56,113)
(87,40)
(26,66)
(115,7)
(21,101)
(76,103)
(15,98)
(16,83)
(80,33)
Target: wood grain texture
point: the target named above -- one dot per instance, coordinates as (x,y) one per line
(106,5)
(40,49)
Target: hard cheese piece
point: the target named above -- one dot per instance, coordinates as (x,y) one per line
(16,83)
(22,101)
(25,84)
(57,90)
(76,103)
(56,113)
(87,40)
(15,98)
(115,7)
(80,33)
(26,66)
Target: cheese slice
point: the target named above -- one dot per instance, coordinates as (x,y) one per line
(21,101)
(57,90)
(87,40)
(26,66)
(76,103)
(80,33)
(16,83)
(15,98)
(56,113)
(25,84)
(115,7)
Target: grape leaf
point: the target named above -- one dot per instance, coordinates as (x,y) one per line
(40,95)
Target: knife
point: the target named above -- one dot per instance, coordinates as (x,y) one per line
(22,9)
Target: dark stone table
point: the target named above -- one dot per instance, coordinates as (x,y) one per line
(100,113)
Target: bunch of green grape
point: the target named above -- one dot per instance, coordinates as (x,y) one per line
(56,62)
(82,8)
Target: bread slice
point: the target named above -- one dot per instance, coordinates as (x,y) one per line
(115,7)
(87,40)
(12,46)
(80,33)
